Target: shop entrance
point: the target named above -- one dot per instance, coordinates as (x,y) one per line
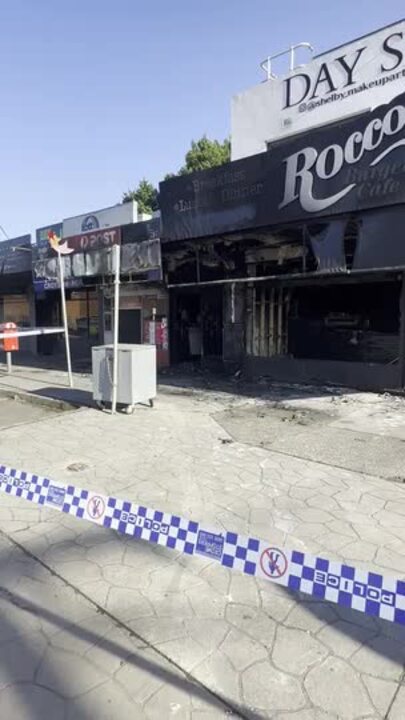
(197,324)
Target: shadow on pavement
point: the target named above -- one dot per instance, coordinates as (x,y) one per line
(24,641)
(75,396)
(177,678)
(386,638)
(56,361)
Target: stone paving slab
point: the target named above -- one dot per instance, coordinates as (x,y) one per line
(63,658)
(349,442)
(269,653)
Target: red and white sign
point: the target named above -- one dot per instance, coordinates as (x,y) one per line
(95,240)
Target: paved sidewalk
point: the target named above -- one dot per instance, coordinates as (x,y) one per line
(238,644)
(64,659)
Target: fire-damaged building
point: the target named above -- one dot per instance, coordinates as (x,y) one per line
(291,262)
(88,272)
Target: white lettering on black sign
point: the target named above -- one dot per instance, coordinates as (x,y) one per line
(304,166)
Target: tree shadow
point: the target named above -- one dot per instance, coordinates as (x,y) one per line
(176,677)
(386,638)
(392,634)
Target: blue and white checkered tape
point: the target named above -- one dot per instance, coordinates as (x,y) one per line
(336,582)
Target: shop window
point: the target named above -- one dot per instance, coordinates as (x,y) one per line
(82,314)
(107,313)
(15,308)
(349,322)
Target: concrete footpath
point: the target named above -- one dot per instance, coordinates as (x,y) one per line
(95,625)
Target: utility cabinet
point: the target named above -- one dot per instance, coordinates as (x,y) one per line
(136,374)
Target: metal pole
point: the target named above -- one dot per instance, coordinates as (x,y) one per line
(9,362)
(116,251)
(402,334)
(292,59)
(64,315)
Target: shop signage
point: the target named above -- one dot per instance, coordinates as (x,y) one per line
(15,255)
(90,223)
(41,286)
(339,74)
(43,248)
(140,231)
(350,79)
(357,165)
(141,257)
(306,166)
(105,219)
(95,239)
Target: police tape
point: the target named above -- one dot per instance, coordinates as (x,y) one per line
(336,582)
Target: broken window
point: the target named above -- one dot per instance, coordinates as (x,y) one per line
(351,322)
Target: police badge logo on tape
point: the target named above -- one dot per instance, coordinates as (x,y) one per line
(56,496)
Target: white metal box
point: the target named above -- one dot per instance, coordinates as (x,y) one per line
(136,373)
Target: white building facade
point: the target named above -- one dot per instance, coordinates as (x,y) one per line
(341,83)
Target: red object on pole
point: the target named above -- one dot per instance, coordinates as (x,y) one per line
(9,344)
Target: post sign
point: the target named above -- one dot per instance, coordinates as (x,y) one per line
(354,166)
(348,80)
(96,239)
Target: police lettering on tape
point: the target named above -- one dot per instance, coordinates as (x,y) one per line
(336,582)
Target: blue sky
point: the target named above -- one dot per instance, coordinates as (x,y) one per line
(96,94)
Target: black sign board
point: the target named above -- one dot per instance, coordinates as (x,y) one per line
(15,255)
(141,231)
(356,165)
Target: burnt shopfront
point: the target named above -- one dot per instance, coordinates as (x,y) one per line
(198,298)
(144,304)
(89,277)
(310,246)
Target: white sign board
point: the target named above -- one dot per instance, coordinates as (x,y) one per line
(348,80)
(114,216)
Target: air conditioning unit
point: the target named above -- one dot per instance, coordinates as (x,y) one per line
(136,374)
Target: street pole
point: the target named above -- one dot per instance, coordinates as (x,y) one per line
(64,315)
(116,253)
(402,334)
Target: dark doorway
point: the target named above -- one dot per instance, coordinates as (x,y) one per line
(130,327)
(47,313)
(197,324)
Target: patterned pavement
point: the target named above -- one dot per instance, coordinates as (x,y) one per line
(95,624)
